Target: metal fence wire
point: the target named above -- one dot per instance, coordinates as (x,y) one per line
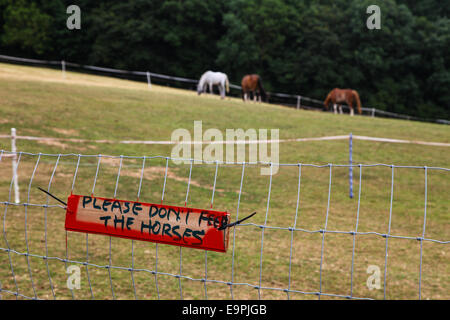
(31,272)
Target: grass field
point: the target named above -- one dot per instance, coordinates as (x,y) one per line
(39,102)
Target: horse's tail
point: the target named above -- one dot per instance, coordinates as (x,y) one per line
(358,101)
(200,84)
(261,89)
(227,84)
(327,100)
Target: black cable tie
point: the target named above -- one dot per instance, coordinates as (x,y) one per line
(52,196)
(236,222)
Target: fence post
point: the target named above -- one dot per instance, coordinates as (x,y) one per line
(373,112)
(63,67)
(299,99)
(14,165)
(350,162)
(149,81)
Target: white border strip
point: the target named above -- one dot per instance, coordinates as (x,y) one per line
(167,142)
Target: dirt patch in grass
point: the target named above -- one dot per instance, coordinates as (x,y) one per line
(152,173)
(55,143)
(66,132)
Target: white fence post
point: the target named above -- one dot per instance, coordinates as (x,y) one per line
(350,168)
(373,112)
(63,67)
(149,81)
(14,165)
(299,98)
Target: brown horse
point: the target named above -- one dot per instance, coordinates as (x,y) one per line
(251,84)
(338,96)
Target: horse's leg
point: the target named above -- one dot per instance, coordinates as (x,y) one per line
(340,109)
(335,108)
(221,88)
(222,91)
(350,105)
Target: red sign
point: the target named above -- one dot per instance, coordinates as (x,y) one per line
(181,226)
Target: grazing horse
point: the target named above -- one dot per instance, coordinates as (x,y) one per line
(209,79)
(348,96)
(251,83)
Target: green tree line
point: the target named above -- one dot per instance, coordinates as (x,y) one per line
(302,47)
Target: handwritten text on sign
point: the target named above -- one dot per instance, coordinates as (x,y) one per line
(189,227)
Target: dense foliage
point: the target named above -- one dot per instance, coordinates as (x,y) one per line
(298,46)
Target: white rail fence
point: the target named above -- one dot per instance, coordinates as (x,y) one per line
(292,100)
(349,137)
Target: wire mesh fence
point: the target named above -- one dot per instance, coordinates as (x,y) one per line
(308,240)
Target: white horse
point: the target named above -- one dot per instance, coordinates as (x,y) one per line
(209,79)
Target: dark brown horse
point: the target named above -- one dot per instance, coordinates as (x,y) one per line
(251,84)
(338,96)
